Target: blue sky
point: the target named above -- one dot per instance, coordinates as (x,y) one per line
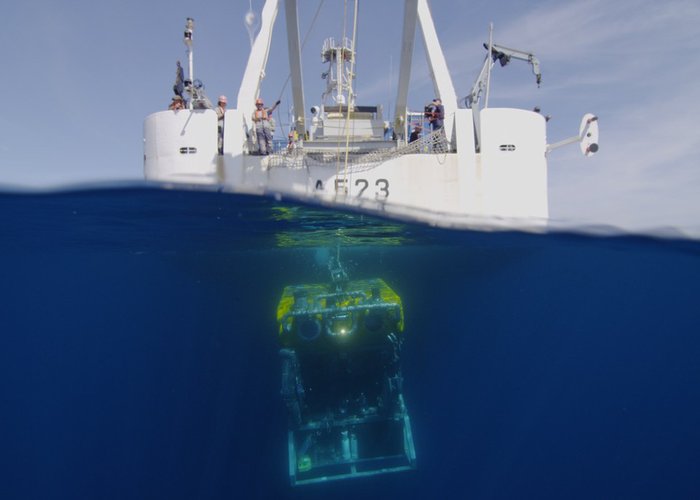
(81,76)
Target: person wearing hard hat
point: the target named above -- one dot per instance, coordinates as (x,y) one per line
(263,128)
(220,112)
(292,141)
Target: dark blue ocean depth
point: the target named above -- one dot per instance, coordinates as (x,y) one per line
(139,354)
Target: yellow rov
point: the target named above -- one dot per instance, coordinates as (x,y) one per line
(341,380)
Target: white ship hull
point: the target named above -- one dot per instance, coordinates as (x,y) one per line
(507,179)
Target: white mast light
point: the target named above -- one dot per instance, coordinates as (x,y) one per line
(189,26)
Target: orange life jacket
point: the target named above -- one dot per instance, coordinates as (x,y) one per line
(260,114)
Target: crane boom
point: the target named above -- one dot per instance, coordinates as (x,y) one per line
(504,56)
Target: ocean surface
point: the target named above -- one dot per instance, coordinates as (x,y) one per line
(139,354)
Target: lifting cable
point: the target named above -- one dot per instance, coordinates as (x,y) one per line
(350,89)
(338,80)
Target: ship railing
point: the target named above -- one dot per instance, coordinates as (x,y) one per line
(433,143)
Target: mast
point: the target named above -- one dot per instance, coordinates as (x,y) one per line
(339,57)
(189,26)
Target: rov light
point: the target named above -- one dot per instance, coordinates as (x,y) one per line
(341,325)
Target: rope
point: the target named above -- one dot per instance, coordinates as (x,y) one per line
(342,42)
(352,70)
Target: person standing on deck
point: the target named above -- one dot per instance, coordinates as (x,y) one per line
(263,126)
(415,134)
(179,85)
(220,112)
(292,141)
(436,114)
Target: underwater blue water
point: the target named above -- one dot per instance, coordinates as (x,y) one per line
(139,356)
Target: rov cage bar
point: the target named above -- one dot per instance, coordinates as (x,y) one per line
(329,451)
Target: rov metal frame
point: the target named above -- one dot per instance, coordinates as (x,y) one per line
(342,382)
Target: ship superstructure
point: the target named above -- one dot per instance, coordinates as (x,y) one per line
(483,162)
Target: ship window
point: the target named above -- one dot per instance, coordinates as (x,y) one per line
(188,151)
(507,147)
